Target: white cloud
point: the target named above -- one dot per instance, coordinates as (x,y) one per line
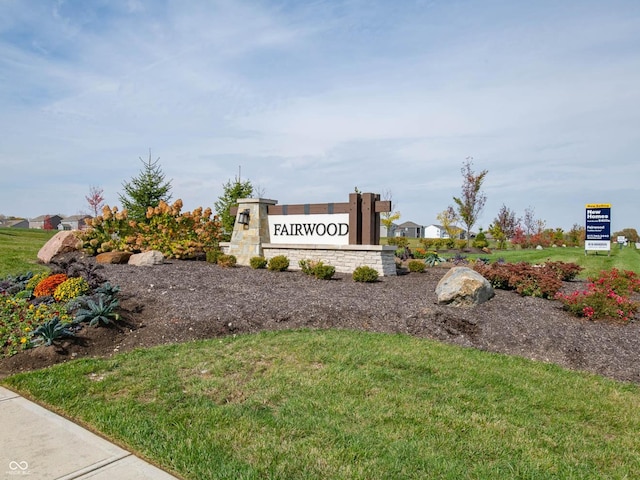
(313,99)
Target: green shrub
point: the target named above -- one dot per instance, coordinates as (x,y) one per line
(211,256)
(398,241)
(227,261)
(480,241)
(317,269)
(258,262)
(365,274)
(279,263)
(416,266)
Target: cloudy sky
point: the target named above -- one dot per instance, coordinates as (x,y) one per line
(314,98)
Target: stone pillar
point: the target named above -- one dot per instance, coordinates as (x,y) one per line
(246,240)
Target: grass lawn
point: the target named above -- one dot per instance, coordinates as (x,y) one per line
(342,404)
(627,258)
(19,249)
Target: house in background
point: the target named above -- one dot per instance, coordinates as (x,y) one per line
(74,222)
(14,223)
(435,231)
(409,230)
(388,232)
(39,222)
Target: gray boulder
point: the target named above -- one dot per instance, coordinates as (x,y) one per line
(463,287)
(147,259)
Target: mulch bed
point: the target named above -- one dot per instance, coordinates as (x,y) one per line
(186,300)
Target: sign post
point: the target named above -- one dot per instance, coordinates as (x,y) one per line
(598,227)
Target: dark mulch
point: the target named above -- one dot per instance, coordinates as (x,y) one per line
(186,300)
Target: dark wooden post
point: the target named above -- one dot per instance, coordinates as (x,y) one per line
(355,219)
(368,219)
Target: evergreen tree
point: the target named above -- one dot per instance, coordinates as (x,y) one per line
(145,190)
(232,192)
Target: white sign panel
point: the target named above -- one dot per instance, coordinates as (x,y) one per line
(325,229)
(597,245)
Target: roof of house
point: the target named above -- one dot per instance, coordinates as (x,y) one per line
(437,226)
(409,225)
(74,218)
(42,218)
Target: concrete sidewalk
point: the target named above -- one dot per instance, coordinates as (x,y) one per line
(38,444)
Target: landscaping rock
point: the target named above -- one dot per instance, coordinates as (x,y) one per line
(113,257)
(463,287)
(62,242)
(147,259)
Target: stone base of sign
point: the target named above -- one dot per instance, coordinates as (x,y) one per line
(346,258)
(246,240)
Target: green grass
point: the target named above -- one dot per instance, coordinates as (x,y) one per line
(627,258)
(341,404)
(19,249)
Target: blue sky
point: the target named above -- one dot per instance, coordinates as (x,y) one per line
(314,98)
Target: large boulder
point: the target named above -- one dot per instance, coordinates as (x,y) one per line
(147,259)
(62,242)
(113,257)
(463,287)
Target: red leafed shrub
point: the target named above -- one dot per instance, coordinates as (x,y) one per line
(47,286)
(526,279)
(606,297)
(565,271)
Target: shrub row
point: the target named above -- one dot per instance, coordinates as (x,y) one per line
(185,235)
(526,279)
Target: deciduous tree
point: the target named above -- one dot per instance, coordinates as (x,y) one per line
(146,190)
(448,219)
(472,200)
(95,199)
(504,226)
(389,218)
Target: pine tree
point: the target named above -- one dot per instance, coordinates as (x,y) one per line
(232,192)
(145,190)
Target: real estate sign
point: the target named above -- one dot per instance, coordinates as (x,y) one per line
(598,227)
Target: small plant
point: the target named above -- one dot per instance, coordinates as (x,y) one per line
(108,290)
(70,289)
(279,263)
(35,280)
(101,311)
(227,261)
(459,259)
(365,274)
(212,255)
(12,285)
(47,286)
(432,259)
(317,269)
(50,331)
(416,266)
(258,262)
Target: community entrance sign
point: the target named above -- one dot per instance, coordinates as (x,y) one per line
(342,234)
(598,227)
